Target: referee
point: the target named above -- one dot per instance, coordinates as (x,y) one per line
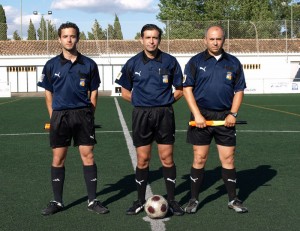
(71,81)
(147,80)
(214,89)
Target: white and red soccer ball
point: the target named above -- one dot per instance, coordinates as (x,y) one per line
(156,207)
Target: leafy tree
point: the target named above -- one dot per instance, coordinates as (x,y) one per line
(31,31)
(246,18)
(42,31)
(137,36)
(110,32)
(51,31)
(117,29)
(82,36)
(91,36)
(98,32)
(3,24)
(16,36)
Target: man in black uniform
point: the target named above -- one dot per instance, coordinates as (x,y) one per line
(71,82)
(147,80)
(214,88)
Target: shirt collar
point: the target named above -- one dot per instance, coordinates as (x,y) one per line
(63,60)
(158,57)
(208,56)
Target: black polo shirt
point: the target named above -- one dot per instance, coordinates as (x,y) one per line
(214,81)
(151,80)
(70,82)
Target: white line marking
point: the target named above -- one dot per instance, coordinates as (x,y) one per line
(156,225)
(45,133)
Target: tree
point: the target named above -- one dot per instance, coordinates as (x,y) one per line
(189,18)
(117,29)
(97,31)
(82,36)
(3,24)
(51,31)
(91,36)
(16,36)
(31,31)
(137,36)
(42,31)
(110,32)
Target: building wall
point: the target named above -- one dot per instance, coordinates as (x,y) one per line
(265,73)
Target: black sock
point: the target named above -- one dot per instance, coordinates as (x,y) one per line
(58,179)
(229,178)
(90,177)
(196,177)
(170,180)
(141,180)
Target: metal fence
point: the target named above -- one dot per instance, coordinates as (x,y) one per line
(282,33)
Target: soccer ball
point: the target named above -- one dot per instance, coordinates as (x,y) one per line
(156,207)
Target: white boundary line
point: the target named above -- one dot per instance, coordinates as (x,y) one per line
(156,225)
(45,133)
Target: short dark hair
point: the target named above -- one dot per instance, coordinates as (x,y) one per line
(68,25)
(151,27)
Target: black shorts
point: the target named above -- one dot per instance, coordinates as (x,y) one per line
(225,136)
(76,124)
(153,124)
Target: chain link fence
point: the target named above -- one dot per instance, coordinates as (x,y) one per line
(257,37)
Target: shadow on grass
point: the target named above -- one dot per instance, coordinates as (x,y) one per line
(123,187)
(248,182)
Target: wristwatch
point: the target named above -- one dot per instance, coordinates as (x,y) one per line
(234,114)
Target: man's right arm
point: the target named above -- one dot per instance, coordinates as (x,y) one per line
(190,99)
(48,98)
(126,94)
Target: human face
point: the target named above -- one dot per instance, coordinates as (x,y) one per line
(150,41)
(68,39)
(214,40)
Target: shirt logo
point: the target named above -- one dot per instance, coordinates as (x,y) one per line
(165,78)
(203,68)
(138,73)
(82,82)
(229,76)
(119,75)
(57,74)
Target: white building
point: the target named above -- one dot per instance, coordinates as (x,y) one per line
(270,66)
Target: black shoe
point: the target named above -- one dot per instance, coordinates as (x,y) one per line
(175,208)
(136,207)
(52,207)
(192,206)
(97,207)
(237,205)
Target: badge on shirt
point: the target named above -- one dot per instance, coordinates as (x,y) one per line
(229,76)
(82,82)
(119,75)
(165,78)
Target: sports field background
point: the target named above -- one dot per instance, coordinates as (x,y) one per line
(267,161)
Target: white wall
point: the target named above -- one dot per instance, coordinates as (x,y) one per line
(274,75)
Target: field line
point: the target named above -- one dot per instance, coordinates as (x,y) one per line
(45,133)
(272,109)
(156,225)
(11,101)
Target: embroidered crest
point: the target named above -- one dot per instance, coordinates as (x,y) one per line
(229,76)
(82,82)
